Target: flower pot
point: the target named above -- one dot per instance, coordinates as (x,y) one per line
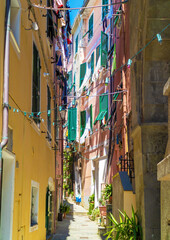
(102,210)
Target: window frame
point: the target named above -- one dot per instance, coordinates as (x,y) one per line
(48,114)
(36,108)
(35,226)
(103,9)
(90,32)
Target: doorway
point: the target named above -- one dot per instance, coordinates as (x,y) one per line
(6,224)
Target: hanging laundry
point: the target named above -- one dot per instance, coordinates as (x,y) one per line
(104,24)
(63,23)
(59,62)
(69,41)
(110,14)
(58,4)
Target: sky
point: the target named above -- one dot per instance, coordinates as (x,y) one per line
(73,4)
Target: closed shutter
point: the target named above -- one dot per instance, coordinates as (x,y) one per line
(82,72)
(104,104)
(97,53)
(82,122)
(104,49)
(104,9)
(69,79)
(92,63)
(76,45)
(72,123)
(90,27)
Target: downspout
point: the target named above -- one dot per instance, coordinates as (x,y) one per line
(5,90)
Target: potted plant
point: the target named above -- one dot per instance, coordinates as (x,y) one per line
(107,193)
(60,214)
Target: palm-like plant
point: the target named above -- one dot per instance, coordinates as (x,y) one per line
(126,229)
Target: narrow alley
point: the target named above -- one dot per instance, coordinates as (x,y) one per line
(76,226)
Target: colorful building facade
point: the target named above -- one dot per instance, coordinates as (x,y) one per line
(31,186)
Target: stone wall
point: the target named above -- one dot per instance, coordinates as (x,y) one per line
(149,72)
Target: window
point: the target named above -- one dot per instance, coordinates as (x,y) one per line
(82,122)
(90,31)
(92,63)
(72,123)
(50,28)
(104,49)
(82,72)
(104,9)
(103,113)
(36,85)
(34,204)
(15,20)
(97,54)
(76,45)
(48,113)
(91,117)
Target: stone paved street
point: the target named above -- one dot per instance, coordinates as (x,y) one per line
(77,226)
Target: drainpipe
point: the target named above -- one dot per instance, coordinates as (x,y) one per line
(4,141)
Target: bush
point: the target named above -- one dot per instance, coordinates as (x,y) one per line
(95,213)
(91,204)
(127,228)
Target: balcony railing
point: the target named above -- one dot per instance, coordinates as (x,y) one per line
(127,165)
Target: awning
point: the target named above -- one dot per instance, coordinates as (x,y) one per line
(100,116)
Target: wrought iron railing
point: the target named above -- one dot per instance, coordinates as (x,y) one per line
(127,165)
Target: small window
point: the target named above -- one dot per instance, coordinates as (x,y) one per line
(34,204)
(48,113)
(36,85)
(76,45)
(50,27)
(90,31)
(15,20)
(104,9)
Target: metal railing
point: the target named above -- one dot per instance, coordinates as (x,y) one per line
(127,165)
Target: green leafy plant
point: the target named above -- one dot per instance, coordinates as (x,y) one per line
(107,192)
(95,213)
(91,204)
(126,229)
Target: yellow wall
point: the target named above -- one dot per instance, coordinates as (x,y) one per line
(129,201)
(34,157)
(2,17)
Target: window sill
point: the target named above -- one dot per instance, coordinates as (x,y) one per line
(34,228)
(15,44)
(35,126)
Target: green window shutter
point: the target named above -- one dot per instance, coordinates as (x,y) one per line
(74,82)
(92,63)
(97,53)
(91,116)
(100,117)
(69,79)
(104,49)
(82,122)
(72,123)
(104,104)
(76,45)
(104,9)
(82,72)
(90,27)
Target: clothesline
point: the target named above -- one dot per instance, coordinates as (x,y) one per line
(78,8)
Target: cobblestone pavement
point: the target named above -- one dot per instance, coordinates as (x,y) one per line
(77,226)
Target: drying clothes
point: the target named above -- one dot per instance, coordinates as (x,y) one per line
(110,14)
(58,4)
(104,24)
